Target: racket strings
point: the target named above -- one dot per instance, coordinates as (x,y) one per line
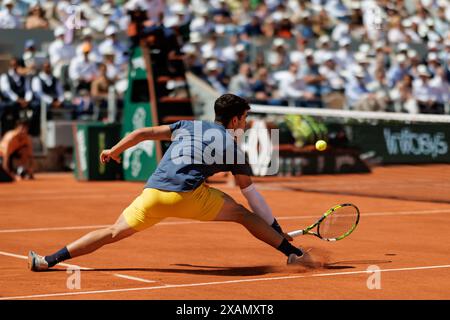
(338,223)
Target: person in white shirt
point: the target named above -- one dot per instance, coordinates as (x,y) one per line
(94,54)
(82,69)
(344,57)
(396,33)
(212,73)
(424,93)
(291,87)
(412,30)
(342,29)
(323,49)
(112,41)
(359,95)
(15,88)
(229,51)
(441,89)
(8,20)
(60,53)
(334,80)
(48,89)
(240,84)
(112,70)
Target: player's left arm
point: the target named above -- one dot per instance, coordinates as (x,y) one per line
(149,133)
(258,203)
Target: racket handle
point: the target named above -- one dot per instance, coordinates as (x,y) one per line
(296,233)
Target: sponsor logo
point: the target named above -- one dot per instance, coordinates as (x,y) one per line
(407,142)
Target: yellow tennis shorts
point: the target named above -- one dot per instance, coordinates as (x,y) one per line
(153,205)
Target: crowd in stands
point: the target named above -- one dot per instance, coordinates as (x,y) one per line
(364,55)
(73,74)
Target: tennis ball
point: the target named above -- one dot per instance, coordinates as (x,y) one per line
(321,145)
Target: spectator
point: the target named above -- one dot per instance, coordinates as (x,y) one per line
(232,67)
(309,73)
(192,61)
(60,54)
(402,96)
(323,49)
(342,28)
(109,61)
(398,70)
(222,13)
(29,58)
(359,96)
(100,89)
(84,106)
(82,69)
(253,28)
(240,84)
(264,88)
(411,28)
(424,93)
(48,89)
(112,42)
(229,51)
(16,91)
(16,152)
(8,20)
(278,57)
(202,22)
(433,62)
(344,56)
(212,73)
(334,81)
(285,27)
(36,18)
(102,18)
(292,87)
(88,41)
(441,89)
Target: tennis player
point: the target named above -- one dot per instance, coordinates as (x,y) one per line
(177,187)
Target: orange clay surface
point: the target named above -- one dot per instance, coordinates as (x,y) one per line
(408,240)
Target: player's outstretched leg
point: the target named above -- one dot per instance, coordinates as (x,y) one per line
(85,245)
(232,211)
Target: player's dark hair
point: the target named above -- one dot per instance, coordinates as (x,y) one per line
(228,106)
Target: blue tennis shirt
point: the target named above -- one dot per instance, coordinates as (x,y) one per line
(199,149)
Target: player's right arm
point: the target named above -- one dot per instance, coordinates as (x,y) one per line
(258,203)
(151,133)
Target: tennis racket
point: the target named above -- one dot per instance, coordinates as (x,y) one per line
(335,224)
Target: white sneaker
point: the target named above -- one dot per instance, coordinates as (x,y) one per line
(304,260)
(36,262)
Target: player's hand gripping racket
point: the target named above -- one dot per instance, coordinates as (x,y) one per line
(335,224)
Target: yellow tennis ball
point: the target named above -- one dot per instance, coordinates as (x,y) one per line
(321,145)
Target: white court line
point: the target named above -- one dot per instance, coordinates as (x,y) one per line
(53,229)
(369,214)
(72,266)
(222,282)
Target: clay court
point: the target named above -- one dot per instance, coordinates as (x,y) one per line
(404,231)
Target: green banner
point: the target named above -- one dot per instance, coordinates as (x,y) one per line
(90,139)
(139,161)
(415,143)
